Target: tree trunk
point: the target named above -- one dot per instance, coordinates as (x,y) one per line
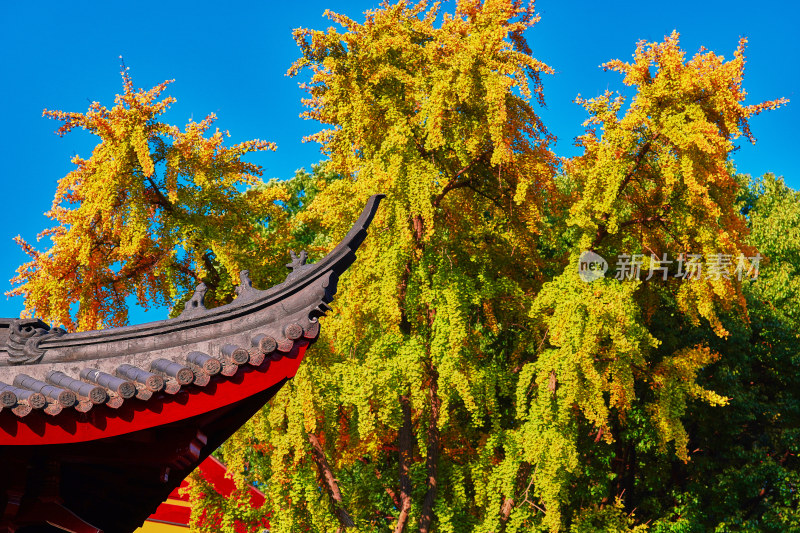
(624,465)
(523,473)
(404,444)
(432,460)
(328,479)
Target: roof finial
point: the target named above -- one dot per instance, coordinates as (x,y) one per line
(297,262)
(195,304)
(245,284)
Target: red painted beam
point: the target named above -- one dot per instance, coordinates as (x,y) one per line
(134,415)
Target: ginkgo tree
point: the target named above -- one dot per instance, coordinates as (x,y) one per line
(439,118)
(470,378)
(153,212)
(654,181)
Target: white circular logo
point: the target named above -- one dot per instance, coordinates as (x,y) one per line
(591,266)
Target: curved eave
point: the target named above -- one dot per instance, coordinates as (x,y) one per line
(39,428)
(98,384)
(250,301)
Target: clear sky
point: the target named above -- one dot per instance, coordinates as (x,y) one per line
(231,59)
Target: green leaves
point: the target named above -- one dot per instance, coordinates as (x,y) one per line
(469,379)
(537,401)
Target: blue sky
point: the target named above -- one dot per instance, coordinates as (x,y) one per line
(232,61)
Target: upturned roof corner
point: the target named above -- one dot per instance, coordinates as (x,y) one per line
(78,409)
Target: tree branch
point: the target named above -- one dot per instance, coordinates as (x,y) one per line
(161,200)
(329,481)
(602,229)
(455,183)
(432,459)
(642,220)
(404,458)
(495,201)
(636,164)
(523,472)
(212,278)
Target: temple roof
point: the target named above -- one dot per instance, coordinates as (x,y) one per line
(98,427)
(46,372)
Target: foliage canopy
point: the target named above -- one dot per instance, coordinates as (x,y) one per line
(153,211)
(469,378)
